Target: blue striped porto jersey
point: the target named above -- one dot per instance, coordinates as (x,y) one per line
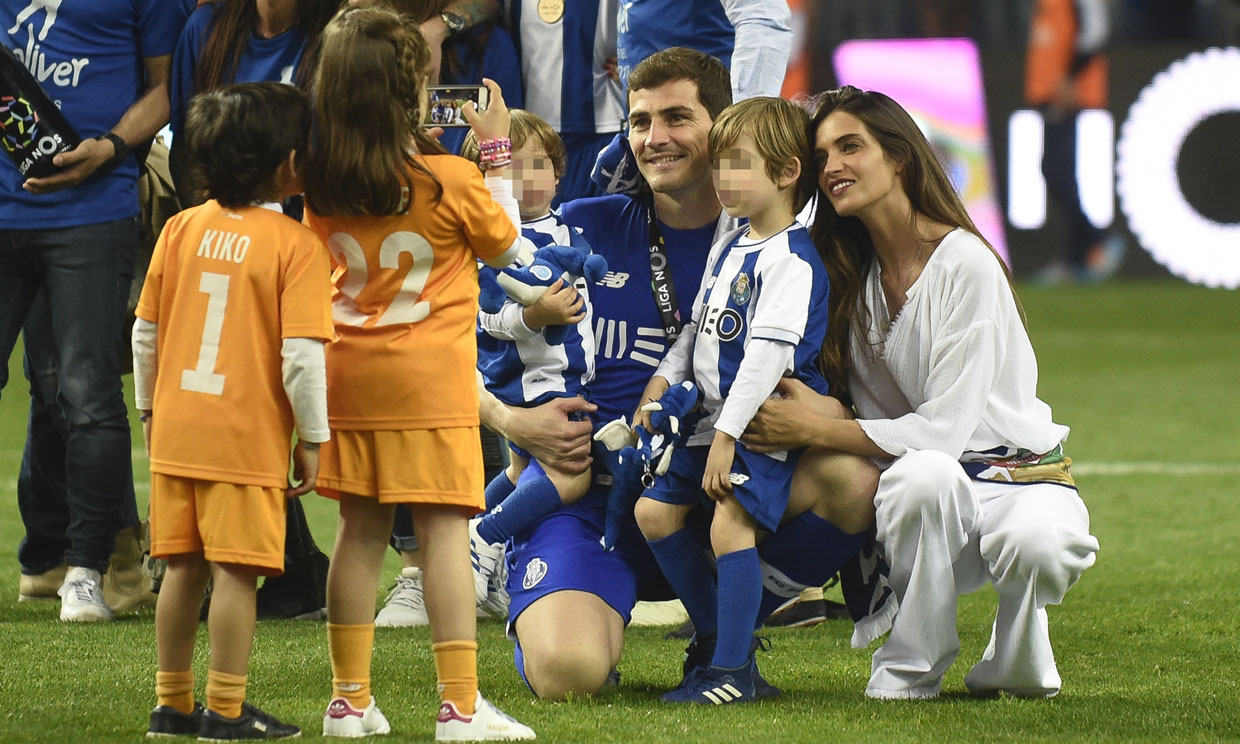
(531,371)
(774,289)
(563,45)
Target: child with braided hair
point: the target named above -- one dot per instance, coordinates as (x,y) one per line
(402,398)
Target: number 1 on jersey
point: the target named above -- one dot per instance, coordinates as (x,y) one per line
(203,378)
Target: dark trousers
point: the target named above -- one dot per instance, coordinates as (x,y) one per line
(1059,170)
(84,274)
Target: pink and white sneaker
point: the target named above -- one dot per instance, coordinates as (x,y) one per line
(488,723)
(344,721)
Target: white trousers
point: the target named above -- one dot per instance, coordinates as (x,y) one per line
(943,535)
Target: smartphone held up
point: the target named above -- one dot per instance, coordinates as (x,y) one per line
(445,103)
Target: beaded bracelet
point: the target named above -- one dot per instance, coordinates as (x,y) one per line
(494,153)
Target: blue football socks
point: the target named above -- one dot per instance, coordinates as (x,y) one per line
(688,571)
(498,489)
(529,502)
(740,593)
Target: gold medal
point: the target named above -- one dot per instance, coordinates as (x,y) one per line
(550,11)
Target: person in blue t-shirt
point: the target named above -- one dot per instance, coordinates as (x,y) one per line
(760,315)
(570,598)
(238,42)
(71,237)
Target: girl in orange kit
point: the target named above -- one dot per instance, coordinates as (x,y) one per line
(406,223)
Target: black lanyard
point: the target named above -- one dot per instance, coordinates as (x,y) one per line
(661,280)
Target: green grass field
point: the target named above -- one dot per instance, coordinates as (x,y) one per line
(1145,373)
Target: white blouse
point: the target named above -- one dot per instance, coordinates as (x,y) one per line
(955,372)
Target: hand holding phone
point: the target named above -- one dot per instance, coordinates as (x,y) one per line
(446,103)
(494,121)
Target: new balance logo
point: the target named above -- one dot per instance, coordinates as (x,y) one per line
(737,479)
(724,693)
(614,279)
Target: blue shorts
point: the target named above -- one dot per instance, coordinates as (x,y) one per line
(764,494)
(565,552)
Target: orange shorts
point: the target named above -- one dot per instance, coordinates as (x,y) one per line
(226,522)
(414,466)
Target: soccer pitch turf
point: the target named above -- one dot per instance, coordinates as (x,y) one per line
(1147,374)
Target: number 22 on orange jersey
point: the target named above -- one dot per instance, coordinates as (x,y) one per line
(404,307)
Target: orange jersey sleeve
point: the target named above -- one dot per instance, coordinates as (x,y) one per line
(406,303)
(225,288)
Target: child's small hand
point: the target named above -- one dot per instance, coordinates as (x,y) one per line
(715,481)
(654,390)
(495,121)
(305,469)
(559,305)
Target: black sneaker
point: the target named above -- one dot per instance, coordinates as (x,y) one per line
(679,634)
(300,593)
(167,721)
(251,724)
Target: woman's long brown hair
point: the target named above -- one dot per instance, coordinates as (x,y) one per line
(368,92)
(230,33)
(845,243)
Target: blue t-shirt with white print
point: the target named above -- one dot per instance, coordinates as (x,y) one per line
(262,60)
(88,56)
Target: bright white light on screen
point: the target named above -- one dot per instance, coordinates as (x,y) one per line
(1095,139)
(1026,187)
(1095,165)
(1166,111)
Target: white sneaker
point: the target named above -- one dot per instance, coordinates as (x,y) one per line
(405,606)
(496,603)
(345,721)
(81,597)
(488,723)
(657,614)
(485,558)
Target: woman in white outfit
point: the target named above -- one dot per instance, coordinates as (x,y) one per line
(929,334)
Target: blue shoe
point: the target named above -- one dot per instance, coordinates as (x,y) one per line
(762,688)
(715,686)
(700,651)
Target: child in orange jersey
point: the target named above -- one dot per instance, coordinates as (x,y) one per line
(406,223)
(228,356)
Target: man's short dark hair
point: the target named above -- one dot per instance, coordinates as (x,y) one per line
(238,135)
(680,63)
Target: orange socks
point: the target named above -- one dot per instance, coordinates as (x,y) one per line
(456,666)
(225,693)
(175,690)
(350,649)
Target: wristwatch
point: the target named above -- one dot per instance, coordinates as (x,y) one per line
(454,22)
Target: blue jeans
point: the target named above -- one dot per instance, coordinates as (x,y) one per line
(84,274)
